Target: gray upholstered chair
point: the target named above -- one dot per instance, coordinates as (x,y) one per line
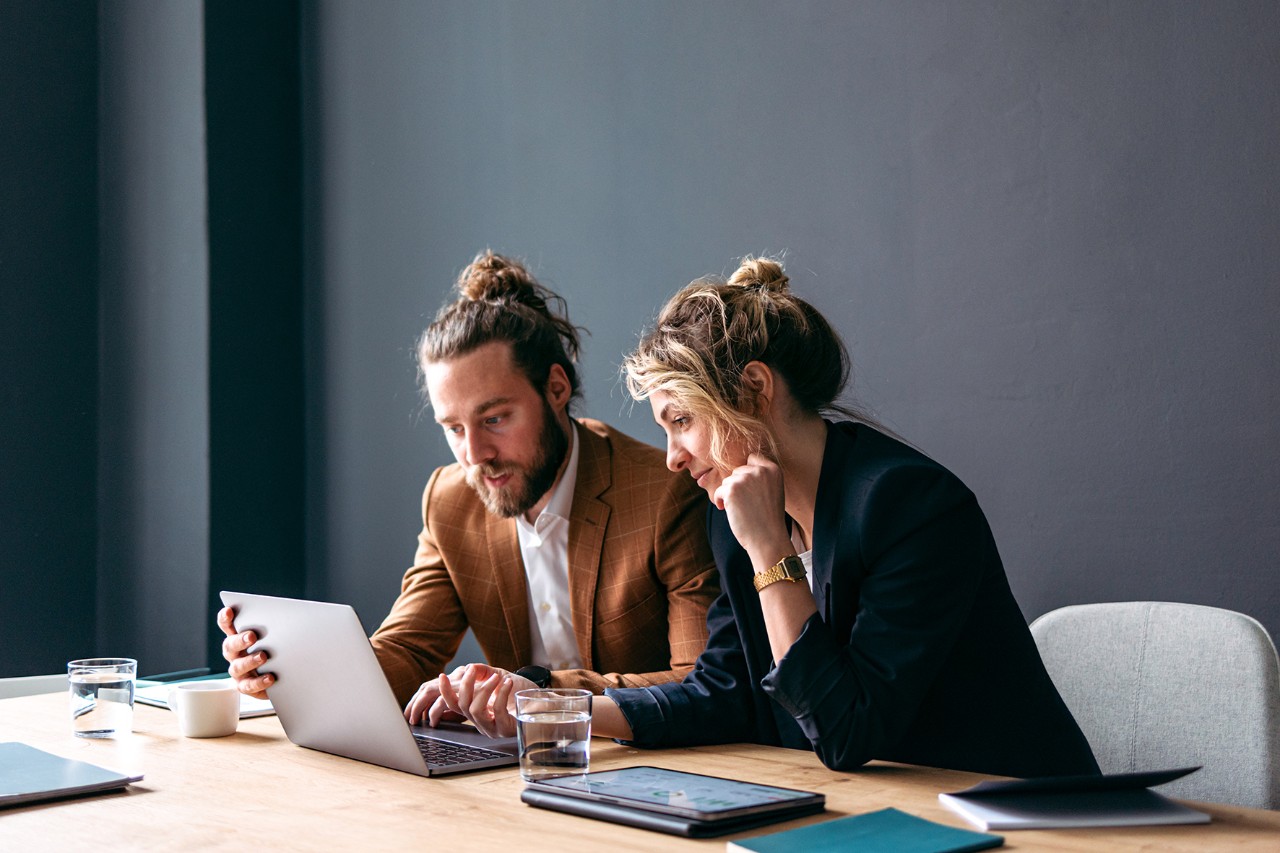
(1157,685)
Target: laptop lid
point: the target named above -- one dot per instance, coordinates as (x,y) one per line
(330,693)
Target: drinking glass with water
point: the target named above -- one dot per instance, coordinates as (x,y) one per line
(102,696)
(553,727)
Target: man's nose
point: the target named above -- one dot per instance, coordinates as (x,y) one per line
(477,449)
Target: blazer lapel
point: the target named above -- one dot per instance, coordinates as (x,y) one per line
(509,579)
(587,522)
(737,577)
(828,530)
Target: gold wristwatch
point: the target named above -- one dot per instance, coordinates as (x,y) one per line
(787,569)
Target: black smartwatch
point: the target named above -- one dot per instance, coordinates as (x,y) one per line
(539,675)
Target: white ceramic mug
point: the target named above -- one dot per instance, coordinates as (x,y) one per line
(206,708)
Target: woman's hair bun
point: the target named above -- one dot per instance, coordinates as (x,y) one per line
(493,278)
(761,273)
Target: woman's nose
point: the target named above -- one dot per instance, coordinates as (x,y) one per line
(677,458)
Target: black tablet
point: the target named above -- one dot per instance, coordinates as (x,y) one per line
(672,800)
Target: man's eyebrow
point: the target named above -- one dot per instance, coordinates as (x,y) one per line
(480,409)
(491,403)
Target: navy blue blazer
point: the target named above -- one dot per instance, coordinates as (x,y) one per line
(918,652)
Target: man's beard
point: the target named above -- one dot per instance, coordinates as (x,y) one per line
(528,483)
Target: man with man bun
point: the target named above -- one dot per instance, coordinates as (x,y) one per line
(569,549)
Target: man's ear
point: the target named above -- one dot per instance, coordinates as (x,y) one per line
(757,377)
(558,389)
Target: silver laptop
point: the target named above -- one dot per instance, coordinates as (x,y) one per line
(331,695)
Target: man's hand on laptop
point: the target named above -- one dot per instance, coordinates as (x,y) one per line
(483,694)
(242,666)
(418,708)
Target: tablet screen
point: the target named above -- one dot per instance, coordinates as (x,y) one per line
(675,792)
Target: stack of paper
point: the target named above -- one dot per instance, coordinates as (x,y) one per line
(157,693)
(1073,801)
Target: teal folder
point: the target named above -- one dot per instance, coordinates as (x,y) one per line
(28,775)
(885,831)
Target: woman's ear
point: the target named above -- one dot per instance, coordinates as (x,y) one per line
(757,377)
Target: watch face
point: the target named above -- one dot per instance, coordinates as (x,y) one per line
(787,569)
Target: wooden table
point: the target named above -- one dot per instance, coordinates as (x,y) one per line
(257,790)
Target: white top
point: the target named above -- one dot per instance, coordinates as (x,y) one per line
(544,546)
(806,557)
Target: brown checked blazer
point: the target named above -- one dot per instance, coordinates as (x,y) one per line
(641,575)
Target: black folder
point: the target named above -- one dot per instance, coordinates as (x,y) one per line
(671,824)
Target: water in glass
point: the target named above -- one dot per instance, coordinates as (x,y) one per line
(101,703)
(553,743)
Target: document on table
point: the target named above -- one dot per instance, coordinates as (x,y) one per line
(157,694)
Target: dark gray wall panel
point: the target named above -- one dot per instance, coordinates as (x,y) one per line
(48,335)
(257,438)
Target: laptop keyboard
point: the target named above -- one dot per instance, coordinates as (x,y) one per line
(442,753)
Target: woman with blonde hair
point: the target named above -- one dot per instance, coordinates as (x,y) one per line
(864,613)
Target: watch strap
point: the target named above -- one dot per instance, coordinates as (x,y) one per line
(539,675)
(789,568)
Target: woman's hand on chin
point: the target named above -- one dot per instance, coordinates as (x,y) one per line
(754,500)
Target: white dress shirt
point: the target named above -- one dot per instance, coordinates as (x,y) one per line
(544,545)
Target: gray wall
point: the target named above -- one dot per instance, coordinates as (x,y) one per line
(151,446)
(1047,230)
(104,433)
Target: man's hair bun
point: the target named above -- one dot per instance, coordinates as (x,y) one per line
(499,300)
(491,277)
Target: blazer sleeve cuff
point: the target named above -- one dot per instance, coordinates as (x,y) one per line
(644,710)
(807,682)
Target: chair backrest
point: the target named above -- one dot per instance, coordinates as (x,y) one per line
(1158,685)
(29,685)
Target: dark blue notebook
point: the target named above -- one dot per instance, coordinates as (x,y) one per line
(885,831)
(28,775)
